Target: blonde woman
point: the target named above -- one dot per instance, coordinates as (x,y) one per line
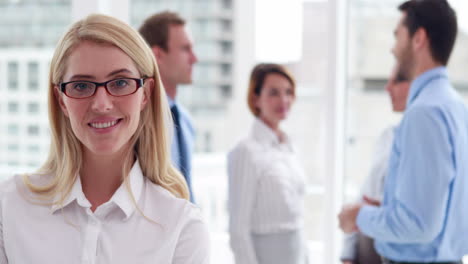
(108,192)
(266,181)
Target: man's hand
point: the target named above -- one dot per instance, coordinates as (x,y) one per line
(370,201)
(347,218)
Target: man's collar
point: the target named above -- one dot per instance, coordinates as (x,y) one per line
(170,101)
(422,80)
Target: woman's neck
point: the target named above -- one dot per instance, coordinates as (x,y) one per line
(101,176)
(275,127)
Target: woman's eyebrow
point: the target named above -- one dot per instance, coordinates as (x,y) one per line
(87,76)
(119,71)
(82,76)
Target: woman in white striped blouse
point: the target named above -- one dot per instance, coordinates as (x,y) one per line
(266,182)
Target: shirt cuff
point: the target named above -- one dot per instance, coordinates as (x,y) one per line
(348,251)
(364,219)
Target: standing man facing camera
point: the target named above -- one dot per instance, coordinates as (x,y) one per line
(423,215)
(167,36)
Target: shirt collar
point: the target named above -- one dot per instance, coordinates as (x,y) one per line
(121,197)
(76,193)
(170,101)
(422,80)
(262,133)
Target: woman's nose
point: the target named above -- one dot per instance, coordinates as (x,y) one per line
(102,100)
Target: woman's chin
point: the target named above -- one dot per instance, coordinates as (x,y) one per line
(282,116)
(104,150)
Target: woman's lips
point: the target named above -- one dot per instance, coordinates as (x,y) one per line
(104,124)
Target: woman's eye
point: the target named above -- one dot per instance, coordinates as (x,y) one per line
(121,83)
(81,86)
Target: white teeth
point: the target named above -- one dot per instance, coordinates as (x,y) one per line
(104,125)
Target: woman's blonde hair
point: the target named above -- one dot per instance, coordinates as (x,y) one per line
(150,143)
(257,78)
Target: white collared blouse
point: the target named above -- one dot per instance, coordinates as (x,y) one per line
(266,189)
(171,230)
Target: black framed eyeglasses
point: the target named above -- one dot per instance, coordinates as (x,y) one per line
(116,87)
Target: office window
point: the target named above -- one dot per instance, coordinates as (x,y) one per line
(33,130)
(33,148)
(201,27)
(13,147)
(13,107)
(208,143)
(227,4)
(226,90)
(12,76)
(13,163)
(31,23)
(29,30)
(226,25)
(33,164)
(33,108)
(33,76)
(226,69)
(226,47)
(13,129)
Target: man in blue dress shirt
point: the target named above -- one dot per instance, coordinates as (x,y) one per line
(423,217)
(166,34)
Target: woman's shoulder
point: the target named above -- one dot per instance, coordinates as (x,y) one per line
(15,185)
(246,146)
(8,186)
(181,219)
(168,208)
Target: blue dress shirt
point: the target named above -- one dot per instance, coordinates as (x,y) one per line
(188,133)
(424,214)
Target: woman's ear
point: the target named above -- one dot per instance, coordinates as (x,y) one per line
(59,98)
(147,90)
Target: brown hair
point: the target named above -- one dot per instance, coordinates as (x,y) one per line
(439,20)
(257,78)
(155,29)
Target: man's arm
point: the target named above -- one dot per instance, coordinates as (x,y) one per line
(425,170)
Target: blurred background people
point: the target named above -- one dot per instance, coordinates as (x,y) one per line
(108,192)
(422,218)
(266,181)
(167,36)
(357,247)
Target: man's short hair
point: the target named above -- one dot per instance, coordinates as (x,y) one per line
(155,29)
(438,19)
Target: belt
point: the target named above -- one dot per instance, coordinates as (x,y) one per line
(387,261)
